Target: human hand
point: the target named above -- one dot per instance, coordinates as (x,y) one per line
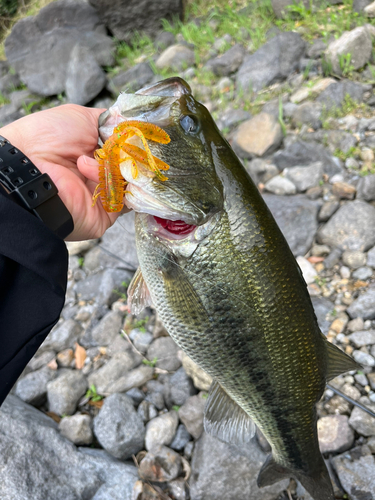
(55,140)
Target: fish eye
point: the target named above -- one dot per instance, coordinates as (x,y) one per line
(190,124)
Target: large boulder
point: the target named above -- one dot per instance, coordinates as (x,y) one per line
(273,62)
(125,17)
(40,48)
(37,462)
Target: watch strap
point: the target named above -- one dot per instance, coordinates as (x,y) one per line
(34,191)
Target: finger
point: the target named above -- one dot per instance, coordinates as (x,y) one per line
(88,167)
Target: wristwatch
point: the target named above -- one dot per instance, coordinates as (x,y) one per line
(28,187)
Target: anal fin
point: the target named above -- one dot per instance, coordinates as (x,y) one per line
(138,294)
(225,419)
(338,362)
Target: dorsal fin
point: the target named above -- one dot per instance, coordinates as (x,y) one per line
(138,294)
(338,362)
(224,419)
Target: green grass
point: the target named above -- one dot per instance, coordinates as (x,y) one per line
(151,363)
(93,395)
(324,20)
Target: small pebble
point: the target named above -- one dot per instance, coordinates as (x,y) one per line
(344,272)
(363,273)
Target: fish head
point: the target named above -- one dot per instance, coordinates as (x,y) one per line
(193,192)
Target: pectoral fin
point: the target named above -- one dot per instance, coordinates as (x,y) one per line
(138,294)
(183,297)
(224,419)
(338,362)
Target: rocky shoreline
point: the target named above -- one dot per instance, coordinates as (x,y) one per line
(110,408)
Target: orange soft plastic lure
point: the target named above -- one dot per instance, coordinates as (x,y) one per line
(112,185)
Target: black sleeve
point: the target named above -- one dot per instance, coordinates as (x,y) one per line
(33,276)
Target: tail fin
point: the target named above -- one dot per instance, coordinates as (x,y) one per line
(318,485)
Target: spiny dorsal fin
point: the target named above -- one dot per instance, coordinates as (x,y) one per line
(138,294)
(338,362)
(224,419)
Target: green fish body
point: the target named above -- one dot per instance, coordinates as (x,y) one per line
(230,293)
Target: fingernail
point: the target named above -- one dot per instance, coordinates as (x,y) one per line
(88,160)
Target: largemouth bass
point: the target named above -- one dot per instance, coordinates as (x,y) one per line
(227,287)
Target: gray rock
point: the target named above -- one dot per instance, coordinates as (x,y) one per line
(181,438)
(334,433)
(273,62)
(363,358)
(160,465)
(339,139)
(359,5)
(355,325)
(362,338)
(38,44)
(334,95)
(182,387)
(322,308)
(371,257)
(40,360)
(119,240)
(259,136)
(85,78)
(232,117)
(280,185)
(161,430)
(141,340)
(366,188)
(107,329)
(305,177)
(77,429)
(316,49)
(333,258)
(328,209)
(147,411)
(363,273)
(64,392)
(9,82)
(308,113)
(164,349)
(220,470)
(163,40)
(354,258)
(133,79)
(297,219)
(260,171)
(304,153)
(33,387)
(8,114)
(352,227)
(133,378)
(87,289)
(176,57)
(363,306)
(356,471)
(116,367)
(227,63)
(59,470)
(178,488)
(356,42)
(118,427)
(62,336)
(191,415)
(125,17)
